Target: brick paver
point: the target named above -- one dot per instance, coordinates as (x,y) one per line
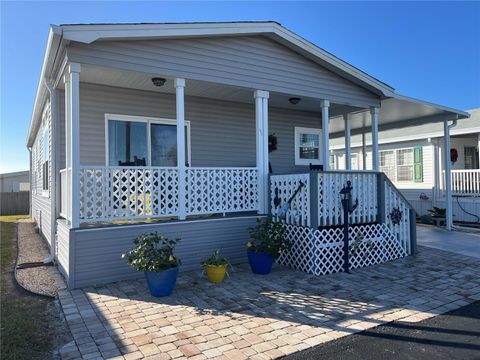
(262,317)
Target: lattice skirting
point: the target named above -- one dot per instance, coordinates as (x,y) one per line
(320,252)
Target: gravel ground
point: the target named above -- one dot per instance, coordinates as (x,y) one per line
(45,280)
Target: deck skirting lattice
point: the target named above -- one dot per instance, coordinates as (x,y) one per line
(320,252)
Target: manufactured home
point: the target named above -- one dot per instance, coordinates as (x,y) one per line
(195,130)
(414,159)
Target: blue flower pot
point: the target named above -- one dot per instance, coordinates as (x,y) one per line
(260,263)
(161,283)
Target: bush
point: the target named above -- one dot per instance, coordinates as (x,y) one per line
(148,255)
(216,260)
(268,237)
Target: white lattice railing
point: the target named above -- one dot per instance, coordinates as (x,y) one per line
(112,193)
(320,252)
(282,188)
(398,217)
(465,182)
(121,193)
(330,211)
(221,190)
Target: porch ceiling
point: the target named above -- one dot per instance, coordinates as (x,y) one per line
(395,112)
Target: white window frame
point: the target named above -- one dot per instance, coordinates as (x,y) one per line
(148,121)
(395,151)
(313,131)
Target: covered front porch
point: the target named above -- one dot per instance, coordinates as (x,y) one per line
(130,164)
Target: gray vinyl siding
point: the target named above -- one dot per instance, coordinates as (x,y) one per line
(63,248)
(98,251)
(41,203)
(254,62)
(222,133)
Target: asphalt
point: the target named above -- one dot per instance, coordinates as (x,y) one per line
(451,336)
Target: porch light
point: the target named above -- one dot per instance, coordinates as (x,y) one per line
(294,100)
(158,81)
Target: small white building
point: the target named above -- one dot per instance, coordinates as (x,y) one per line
(413,159)
(15,181)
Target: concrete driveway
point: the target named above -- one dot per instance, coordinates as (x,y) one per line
(453,241)
(263,317)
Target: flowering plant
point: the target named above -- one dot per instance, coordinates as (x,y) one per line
(148,255)
(268,237)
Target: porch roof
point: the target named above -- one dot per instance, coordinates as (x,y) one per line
(397,110)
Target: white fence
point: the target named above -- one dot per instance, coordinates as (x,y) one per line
(282,188)
(64,190)
(466,182)
(128,193)
(326,196)
(397,212)
(330,211)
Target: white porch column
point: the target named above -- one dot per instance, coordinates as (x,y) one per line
(68,148)
(364,152)
(375,161)
(478,149)
(348,150)
(448,179)
(261,126)
(325,135)
(180,111)
(74,135)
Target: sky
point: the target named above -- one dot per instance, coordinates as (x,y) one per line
(427,50)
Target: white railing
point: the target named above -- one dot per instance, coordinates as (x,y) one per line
(221,190)
(466,182)
(64,191)
(114,193)
(330,211)
(397,212)
(128,193)
(282,187)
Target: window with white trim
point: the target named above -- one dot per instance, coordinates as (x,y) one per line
(402,165)
(140,141)
(307,146)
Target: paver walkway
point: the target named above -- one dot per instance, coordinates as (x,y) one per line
(263,317)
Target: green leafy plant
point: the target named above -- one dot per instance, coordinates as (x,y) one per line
(268,237)
(216,259)
(438,212)
(153,252)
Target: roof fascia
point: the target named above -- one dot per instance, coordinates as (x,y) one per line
(53,41)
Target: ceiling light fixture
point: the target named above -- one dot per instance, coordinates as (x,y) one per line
(294,100)
(158,81)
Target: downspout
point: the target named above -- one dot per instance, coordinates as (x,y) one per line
(53,172)
(31,181)
(448,170)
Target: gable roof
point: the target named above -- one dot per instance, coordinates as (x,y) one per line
(59,36)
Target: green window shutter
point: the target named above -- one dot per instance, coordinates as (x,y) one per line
(418,164)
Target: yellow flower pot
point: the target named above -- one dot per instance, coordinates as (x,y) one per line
(216,273)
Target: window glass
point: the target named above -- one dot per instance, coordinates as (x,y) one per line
(309,144)
(127,143)
(354,161)
(164,144)
(405,165)
(387,164)
(471,156)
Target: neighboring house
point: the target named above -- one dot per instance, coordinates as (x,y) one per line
(413,159)
(15,181)
(110,163)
